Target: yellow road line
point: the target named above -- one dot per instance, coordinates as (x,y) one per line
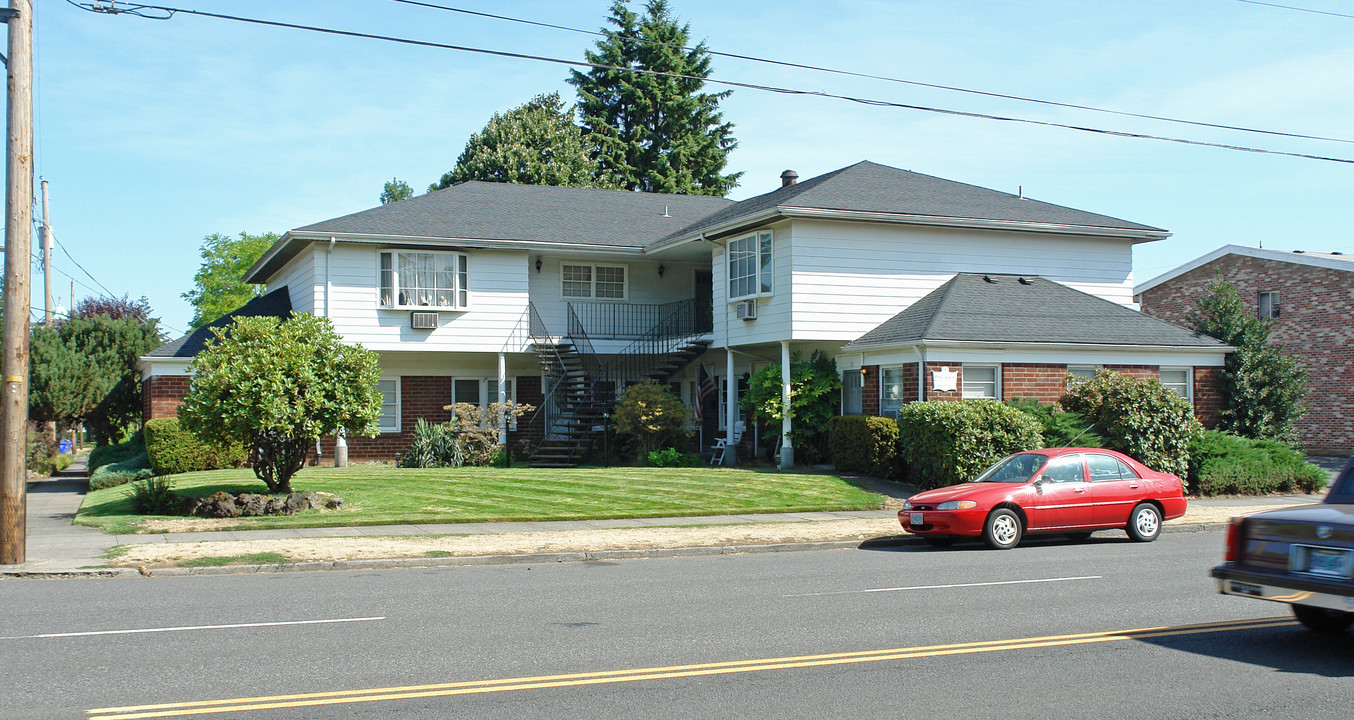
(204,707)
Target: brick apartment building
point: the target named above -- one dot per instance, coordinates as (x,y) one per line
(1308,297)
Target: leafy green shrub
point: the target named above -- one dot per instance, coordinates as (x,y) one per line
(1140,418)
(815,395)
(172,449)
(40,454)
(652,417)
(477,430)
(944,443)
(1059,427)
(672,457)
(434,445)
(153,496)
(102,455)
(865,444)
(1224,464)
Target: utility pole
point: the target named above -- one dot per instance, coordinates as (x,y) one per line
(18,244)
(46,258)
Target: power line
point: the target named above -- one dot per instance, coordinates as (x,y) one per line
(868,76)
(1299,9)
(82,267)
(104,6)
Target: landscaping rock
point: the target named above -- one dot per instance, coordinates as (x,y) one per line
(218,505)
(225,505)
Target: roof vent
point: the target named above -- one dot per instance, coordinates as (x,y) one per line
(665,212)
(1299,252)
(990,279)
(1026,281)
(788,178)
(1336,252)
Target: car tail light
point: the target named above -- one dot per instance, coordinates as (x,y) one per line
(1234,540)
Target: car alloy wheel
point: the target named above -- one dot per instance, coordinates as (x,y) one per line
(1002,530)
(1144,525)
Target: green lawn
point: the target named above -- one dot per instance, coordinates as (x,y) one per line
(378,495)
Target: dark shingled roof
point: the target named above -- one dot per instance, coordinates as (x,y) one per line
(275,304)
(1002,308)
(504,211)
(870,187)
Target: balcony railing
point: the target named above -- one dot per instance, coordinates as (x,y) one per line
(632,321)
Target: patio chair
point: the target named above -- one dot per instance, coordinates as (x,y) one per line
(720,450)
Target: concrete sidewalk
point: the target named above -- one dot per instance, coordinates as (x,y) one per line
(56,548)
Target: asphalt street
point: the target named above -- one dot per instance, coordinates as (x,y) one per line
(1104,628)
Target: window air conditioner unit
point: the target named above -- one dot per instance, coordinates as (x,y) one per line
(424,320)
(746,310)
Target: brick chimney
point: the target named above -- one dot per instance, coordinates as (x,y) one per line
(788,178)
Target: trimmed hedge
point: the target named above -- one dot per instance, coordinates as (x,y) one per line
(945,443)
(171,449)
(1139,418)
(1225,464)
(866,445)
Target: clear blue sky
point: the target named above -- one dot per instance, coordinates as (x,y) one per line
(156,133)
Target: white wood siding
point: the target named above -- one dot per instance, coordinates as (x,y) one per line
(850,277)
(299,277)
(498,299)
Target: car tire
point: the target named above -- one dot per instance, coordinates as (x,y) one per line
(1002,530)
(1322,620)
(940,541)
(1144,523)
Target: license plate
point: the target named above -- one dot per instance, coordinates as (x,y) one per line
(1328,562)
(916,519)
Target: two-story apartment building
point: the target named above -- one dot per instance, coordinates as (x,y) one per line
(557,297)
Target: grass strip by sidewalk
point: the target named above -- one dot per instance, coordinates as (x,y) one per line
(381,495)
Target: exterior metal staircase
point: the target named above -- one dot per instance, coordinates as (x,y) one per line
(580,390)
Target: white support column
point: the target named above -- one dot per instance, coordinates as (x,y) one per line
(731,400)
(787,451)
(503,396)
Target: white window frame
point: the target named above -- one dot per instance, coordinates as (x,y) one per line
(1189,381)
(853,380)
(396,427)
(1267,305)
(1080,374)
(388,284)
(592,281)
(759,259)
(967,394)
(488,393)
(889,406)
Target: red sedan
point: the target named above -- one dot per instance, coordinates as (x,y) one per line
(1072,491)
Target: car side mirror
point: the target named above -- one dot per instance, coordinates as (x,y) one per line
(1039,483)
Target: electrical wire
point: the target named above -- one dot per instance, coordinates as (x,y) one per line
(868,76)
(1299,9)
(103,6)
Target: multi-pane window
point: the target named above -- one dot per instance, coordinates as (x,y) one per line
(603,282)
(980,381)
(891,394)
(424,279)
(390,404)
(1269,305)
(483,392)
(1176,380)
(750,266)
(1080,373)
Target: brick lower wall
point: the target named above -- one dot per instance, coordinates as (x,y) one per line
(161,395)
(1044,382)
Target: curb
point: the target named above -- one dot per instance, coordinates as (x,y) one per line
(521,559)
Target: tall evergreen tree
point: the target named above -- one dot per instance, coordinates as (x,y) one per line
(1263,391)
(654,132)
(536,143)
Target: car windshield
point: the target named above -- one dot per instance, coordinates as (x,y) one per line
(1014,468)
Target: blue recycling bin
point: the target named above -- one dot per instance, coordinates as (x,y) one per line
(65,447)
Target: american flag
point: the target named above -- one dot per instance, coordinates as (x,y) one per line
(705,387)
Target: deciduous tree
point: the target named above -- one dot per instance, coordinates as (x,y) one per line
(645,116)
(278,386)
(396,190)
(219,286)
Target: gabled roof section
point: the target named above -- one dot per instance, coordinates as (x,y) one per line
(1330,261)
(1030,310)
(275,304)
(870,188)
(506,212)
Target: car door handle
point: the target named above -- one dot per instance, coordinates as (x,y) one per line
(1080,490)
(1134,486)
